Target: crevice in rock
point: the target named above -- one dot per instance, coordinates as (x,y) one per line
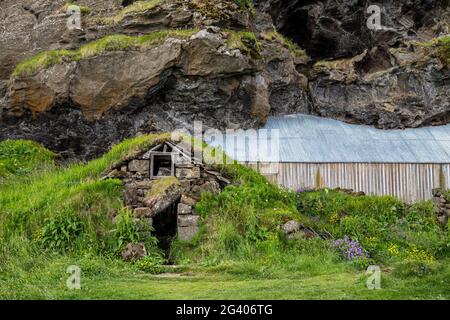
(29,10)
(375,60)
(126,3)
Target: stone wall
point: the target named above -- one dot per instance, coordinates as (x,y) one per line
(149,198)
(443,206)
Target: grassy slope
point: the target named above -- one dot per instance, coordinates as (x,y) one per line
(19,158)
(239,247)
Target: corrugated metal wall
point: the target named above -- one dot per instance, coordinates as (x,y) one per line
(409,182)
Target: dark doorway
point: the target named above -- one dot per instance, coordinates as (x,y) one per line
(165,225)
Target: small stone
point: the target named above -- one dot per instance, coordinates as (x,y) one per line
(184,209)
(208,186)
(143,212)
(117,174)
(134,251)
(188,173)
(187,233)
(188,200)
(184,165)
(291,227)
(443,220)
(188,220)
(437,192)
(149,221)
(141,166)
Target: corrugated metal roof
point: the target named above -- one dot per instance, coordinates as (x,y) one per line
(304,138)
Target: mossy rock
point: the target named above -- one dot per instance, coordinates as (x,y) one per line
(109,43)
(246,42)
(439,47)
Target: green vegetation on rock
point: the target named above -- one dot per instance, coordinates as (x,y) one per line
(441,47)
(161,185)
(288,43)
(136,7)
(246,42)
(109,43)
(245,4)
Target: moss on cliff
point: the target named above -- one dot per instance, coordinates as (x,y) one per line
(136,7)
(83,9)
(440,48)
(293,47)
(246,42)
(109,43)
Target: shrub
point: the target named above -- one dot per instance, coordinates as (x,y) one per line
(243,219)
(415,268)
(60,233)
(152,263)
(380,224)
(129,229)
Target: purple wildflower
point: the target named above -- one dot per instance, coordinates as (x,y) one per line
(350,249)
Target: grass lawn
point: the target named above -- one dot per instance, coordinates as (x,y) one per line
(207,285)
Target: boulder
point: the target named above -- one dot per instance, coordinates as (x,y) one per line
(184,209)
(187,173)
(134,251)
(291,227)
(187,233)
(188,220)
(141,166)
(188,200)
(208,186)
(162,194)
(144,212)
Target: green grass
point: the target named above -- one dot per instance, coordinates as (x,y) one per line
(136,7)
(441,47)
(57,216)
(20,157)
(75,190)
(246,42)
(387,228)
(109,279)
(293,47)
(109,43)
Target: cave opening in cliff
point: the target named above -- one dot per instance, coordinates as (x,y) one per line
(298,28)
(126,3)
(323,32)
(165,227)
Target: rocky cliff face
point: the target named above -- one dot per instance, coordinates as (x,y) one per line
(143,66)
